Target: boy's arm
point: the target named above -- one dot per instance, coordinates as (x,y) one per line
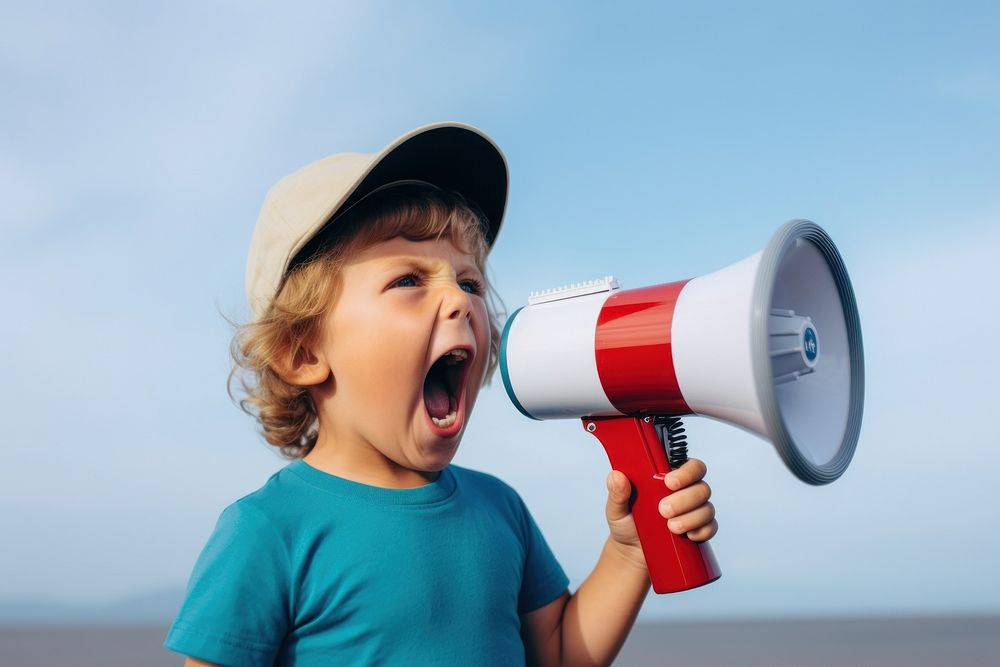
(590,626)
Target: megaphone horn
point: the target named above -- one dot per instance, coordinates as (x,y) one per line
(771,344)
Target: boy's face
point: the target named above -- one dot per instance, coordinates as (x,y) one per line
(400,392)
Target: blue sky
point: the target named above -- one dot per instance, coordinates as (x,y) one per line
(653,142)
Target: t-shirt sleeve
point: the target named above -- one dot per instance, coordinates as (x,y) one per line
(237,607)
(544,579)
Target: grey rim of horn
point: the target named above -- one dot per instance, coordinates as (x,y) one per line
(770,263)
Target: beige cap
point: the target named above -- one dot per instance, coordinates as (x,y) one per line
(449,155)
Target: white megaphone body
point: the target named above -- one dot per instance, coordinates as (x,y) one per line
(771,344)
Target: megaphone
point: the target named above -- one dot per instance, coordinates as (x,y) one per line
(770,344)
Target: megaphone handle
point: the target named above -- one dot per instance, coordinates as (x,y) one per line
(675,563)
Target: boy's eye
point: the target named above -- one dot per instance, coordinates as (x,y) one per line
(409,280)
(472,286)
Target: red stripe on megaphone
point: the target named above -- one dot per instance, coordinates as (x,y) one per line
(633,347)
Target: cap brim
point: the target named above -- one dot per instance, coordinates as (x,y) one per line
(453,156)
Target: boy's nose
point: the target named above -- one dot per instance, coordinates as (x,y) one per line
(457,303)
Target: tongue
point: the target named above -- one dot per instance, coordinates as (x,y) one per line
(436,399)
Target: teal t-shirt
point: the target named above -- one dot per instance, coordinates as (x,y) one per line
(313,569)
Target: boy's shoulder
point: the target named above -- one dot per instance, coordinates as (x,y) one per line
(276,486)
(266,504)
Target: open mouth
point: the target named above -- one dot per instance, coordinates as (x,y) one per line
(443,387)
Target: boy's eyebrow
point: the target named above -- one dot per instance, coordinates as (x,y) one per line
(426,264)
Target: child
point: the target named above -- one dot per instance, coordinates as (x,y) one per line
(371,338)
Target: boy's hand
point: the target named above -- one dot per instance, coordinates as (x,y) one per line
(687,509)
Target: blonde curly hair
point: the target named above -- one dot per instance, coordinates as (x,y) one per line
(293,320)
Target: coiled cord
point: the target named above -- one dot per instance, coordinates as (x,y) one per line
(671,432)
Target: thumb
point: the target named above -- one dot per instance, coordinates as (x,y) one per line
(619,492)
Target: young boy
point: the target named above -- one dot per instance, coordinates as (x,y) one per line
(371,338)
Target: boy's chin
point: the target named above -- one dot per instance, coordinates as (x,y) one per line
(434,454)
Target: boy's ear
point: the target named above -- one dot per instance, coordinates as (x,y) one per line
(304,369)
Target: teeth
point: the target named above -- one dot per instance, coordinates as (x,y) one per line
(447,421)
(455,357)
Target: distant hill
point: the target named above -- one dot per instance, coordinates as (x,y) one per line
(154,606)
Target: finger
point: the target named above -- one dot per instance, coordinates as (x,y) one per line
(704,533)
(689,473)
(619,492)
(685,500)
(693,520)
